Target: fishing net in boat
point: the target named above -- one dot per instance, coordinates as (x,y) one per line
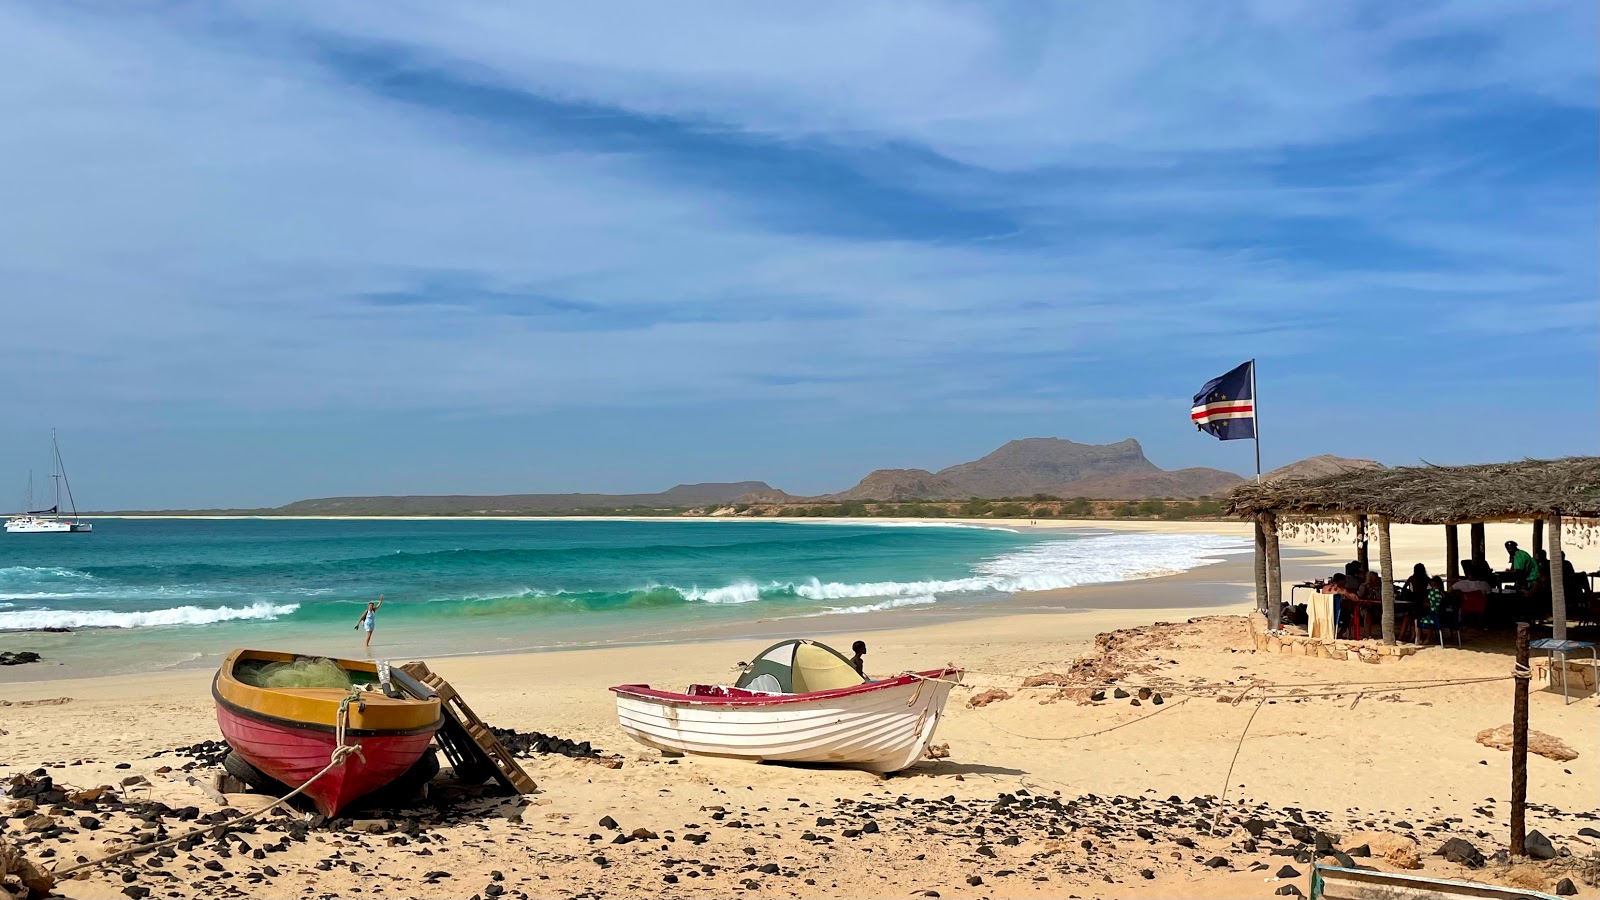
(305,672)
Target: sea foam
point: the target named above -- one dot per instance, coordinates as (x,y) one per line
(30,619)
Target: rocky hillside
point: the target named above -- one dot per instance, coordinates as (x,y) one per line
(905,484)
(1022,467)
(1052,466)
(520,504)
(1317,466)
(1179,484)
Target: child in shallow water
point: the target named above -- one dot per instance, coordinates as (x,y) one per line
(369,618)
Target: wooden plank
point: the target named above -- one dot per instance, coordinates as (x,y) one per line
(466,740)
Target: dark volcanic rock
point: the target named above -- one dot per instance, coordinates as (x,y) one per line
(1287,890)
(609,822)
(1565,888)
(19,657)
(1288,872)
(1538,846)
(1461,852)
(974,880)
(1217,862)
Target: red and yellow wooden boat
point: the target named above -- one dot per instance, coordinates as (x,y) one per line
(289,732)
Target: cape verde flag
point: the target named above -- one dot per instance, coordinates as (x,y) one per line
(1226,406)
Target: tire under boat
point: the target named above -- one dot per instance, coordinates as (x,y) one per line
(289,733)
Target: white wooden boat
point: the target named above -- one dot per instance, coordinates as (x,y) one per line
(800,701)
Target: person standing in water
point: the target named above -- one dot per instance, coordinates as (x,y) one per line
(369,618)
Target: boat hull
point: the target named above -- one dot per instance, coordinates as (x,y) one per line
(290,733)
(293,755)
(29,525)
(882,726)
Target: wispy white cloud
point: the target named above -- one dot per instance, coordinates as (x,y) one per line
(315,208)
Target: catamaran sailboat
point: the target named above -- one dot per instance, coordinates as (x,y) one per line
(50,521)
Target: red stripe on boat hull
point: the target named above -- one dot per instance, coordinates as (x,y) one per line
(293,755)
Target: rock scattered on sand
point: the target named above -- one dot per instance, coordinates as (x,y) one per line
(1547,746)
(1538,846)
(19,657)
(1288,872)
(527,743)
(19,877)
(1461,852)
(1565,888)
(1287,890)
(984,698)
(974,880)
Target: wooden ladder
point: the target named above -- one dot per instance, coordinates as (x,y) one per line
(466,741)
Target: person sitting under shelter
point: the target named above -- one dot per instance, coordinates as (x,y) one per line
(1524,570)
(1416,588)
(1469,581)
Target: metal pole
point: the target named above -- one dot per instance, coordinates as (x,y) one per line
(1519,747)
(1255,417)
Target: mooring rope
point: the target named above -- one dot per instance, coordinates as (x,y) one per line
(341,752)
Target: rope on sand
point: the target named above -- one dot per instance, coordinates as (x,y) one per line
(1074,737)
(1222,802)
(341,752)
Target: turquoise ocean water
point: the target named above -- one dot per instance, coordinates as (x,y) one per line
(158,593)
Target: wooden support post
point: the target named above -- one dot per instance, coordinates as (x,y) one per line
(1558,583)
(1519,746)
(1386,566)
(1274,573)
(1538,537)
(1361,543)
(1480,547)
(1261,566)
(1452,552)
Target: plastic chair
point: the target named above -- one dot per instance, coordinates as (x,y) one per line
(1475,604)
(1446,616)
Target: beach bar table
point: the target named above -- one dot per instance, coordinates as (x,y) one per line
(1559,650)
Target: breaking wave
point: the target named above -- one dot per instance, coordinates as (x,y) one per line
(33,619)
(896,603)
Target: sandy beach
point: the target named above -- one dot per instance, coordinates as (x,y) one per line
(1044,793)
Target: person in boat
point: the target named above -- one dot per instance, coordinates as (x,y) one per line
(859,660)
(369,618)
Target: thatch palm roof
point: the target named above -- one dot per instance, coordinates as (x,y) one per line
(1436,494)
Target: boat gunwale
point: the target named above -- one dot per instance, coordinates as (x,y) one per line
(241,703)
(646,693)
(302,725)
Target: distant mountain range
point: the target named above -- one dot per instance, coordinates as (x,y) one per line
(1052,466)
(1023,468)
(520,504)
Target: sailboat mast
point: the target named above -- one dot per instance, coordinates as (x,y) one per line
(62,468)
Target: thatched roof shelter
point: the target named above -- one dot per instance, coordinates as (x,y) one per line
(1436,495)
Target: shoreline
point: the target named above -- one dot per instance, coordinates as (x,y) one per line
(1397,771)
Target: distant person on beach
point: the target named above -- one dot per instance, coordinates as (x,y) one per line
(369,618)
(859,661)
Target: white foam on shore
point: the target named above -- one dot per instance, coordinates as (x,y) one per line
(32,619)
(895,603)
(967,525)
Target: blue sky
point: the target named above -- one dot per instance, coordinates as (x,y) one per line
(253,253)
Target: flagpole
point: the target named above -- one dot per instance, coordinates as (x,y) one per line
(1255,405)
